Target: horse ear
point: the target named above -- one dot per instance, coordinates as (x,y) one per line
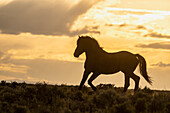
(79,36)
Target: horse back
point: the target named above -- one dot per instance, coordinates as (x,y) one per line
(107,63)
(127,61)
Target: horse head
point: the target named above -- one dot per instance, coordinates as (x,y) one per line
(80,47)
(86,44)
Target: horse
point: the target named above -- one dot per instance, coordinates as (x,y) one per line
(98,61)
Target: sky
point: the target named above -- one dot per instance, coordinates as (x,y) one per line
(38,38)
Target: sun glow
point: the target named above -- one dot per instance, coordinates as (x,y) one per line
(4,2)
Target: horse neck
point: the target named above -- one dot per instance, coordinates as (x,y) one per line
(94,52)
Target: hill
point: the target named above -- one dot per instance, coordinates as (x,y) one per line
(43,98)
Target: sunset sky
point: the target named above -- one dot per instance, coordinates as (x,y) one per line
(38,38)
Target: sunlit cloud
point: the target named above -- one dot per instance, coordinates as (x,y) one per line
(162,5)
(13,68)
(138,11)
(4,2)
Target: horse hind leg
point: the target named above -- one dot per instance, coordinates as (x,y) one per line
(136,79)
(94,76)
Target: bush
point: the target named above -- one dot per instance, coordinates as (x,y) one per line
(122,108)
(105,99)
(44,98)
(20,109)
(140,105)
(167,108)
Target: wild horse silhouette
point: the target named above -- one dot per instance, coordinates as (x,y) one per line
(99,62)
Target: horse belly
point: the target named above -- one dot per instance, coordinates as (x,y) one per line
(110,71)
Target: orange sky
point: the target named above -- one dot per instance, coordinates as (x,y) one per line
(38,38)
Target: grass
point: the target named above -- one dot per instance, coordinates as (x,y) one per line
(43,98)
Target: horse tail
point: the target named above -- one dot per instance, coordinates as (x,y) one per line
(142,68)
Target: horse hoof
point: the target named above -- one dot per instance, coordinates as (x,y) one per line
(95,89)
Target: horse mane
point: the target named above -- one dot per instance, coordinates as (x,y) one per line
(91,39)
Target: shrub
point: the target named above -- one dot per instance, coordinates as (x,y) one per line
(3,83)
(122,108)
(167,108)
(44,98)
(105,99)
(140,105)
(20,109)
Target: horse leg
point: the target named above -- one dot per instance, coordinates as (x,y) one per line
(94,76)
(127,79)
(85,75)
(136,79)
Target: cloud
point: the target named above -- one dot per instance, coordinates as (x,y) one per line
(123,25)
(134,27)
(117,25)
(120,11)
(140,27)
(4,57)
(161,45)
(157,35)
(110,25)
(86,29)
(161,64)
(8,68)
(46,17)
(1,54)
(16,44)
(13,68)
(145,4)
(55,71)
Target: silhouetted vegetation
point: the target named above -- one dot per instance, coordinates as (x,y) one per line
(43,98)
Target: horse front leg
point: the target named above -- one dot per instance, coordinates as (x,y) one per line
(85,75)
(94,76)
(127,80)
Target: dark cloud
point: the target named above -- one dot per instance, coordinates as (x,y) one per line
(123,25)
(86,29)
(110,25)
(156,35)
(161,45)
(46,17)
(96,32)
(161,64)
(120,25)
(134,27)
(140,27)
(95,27)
